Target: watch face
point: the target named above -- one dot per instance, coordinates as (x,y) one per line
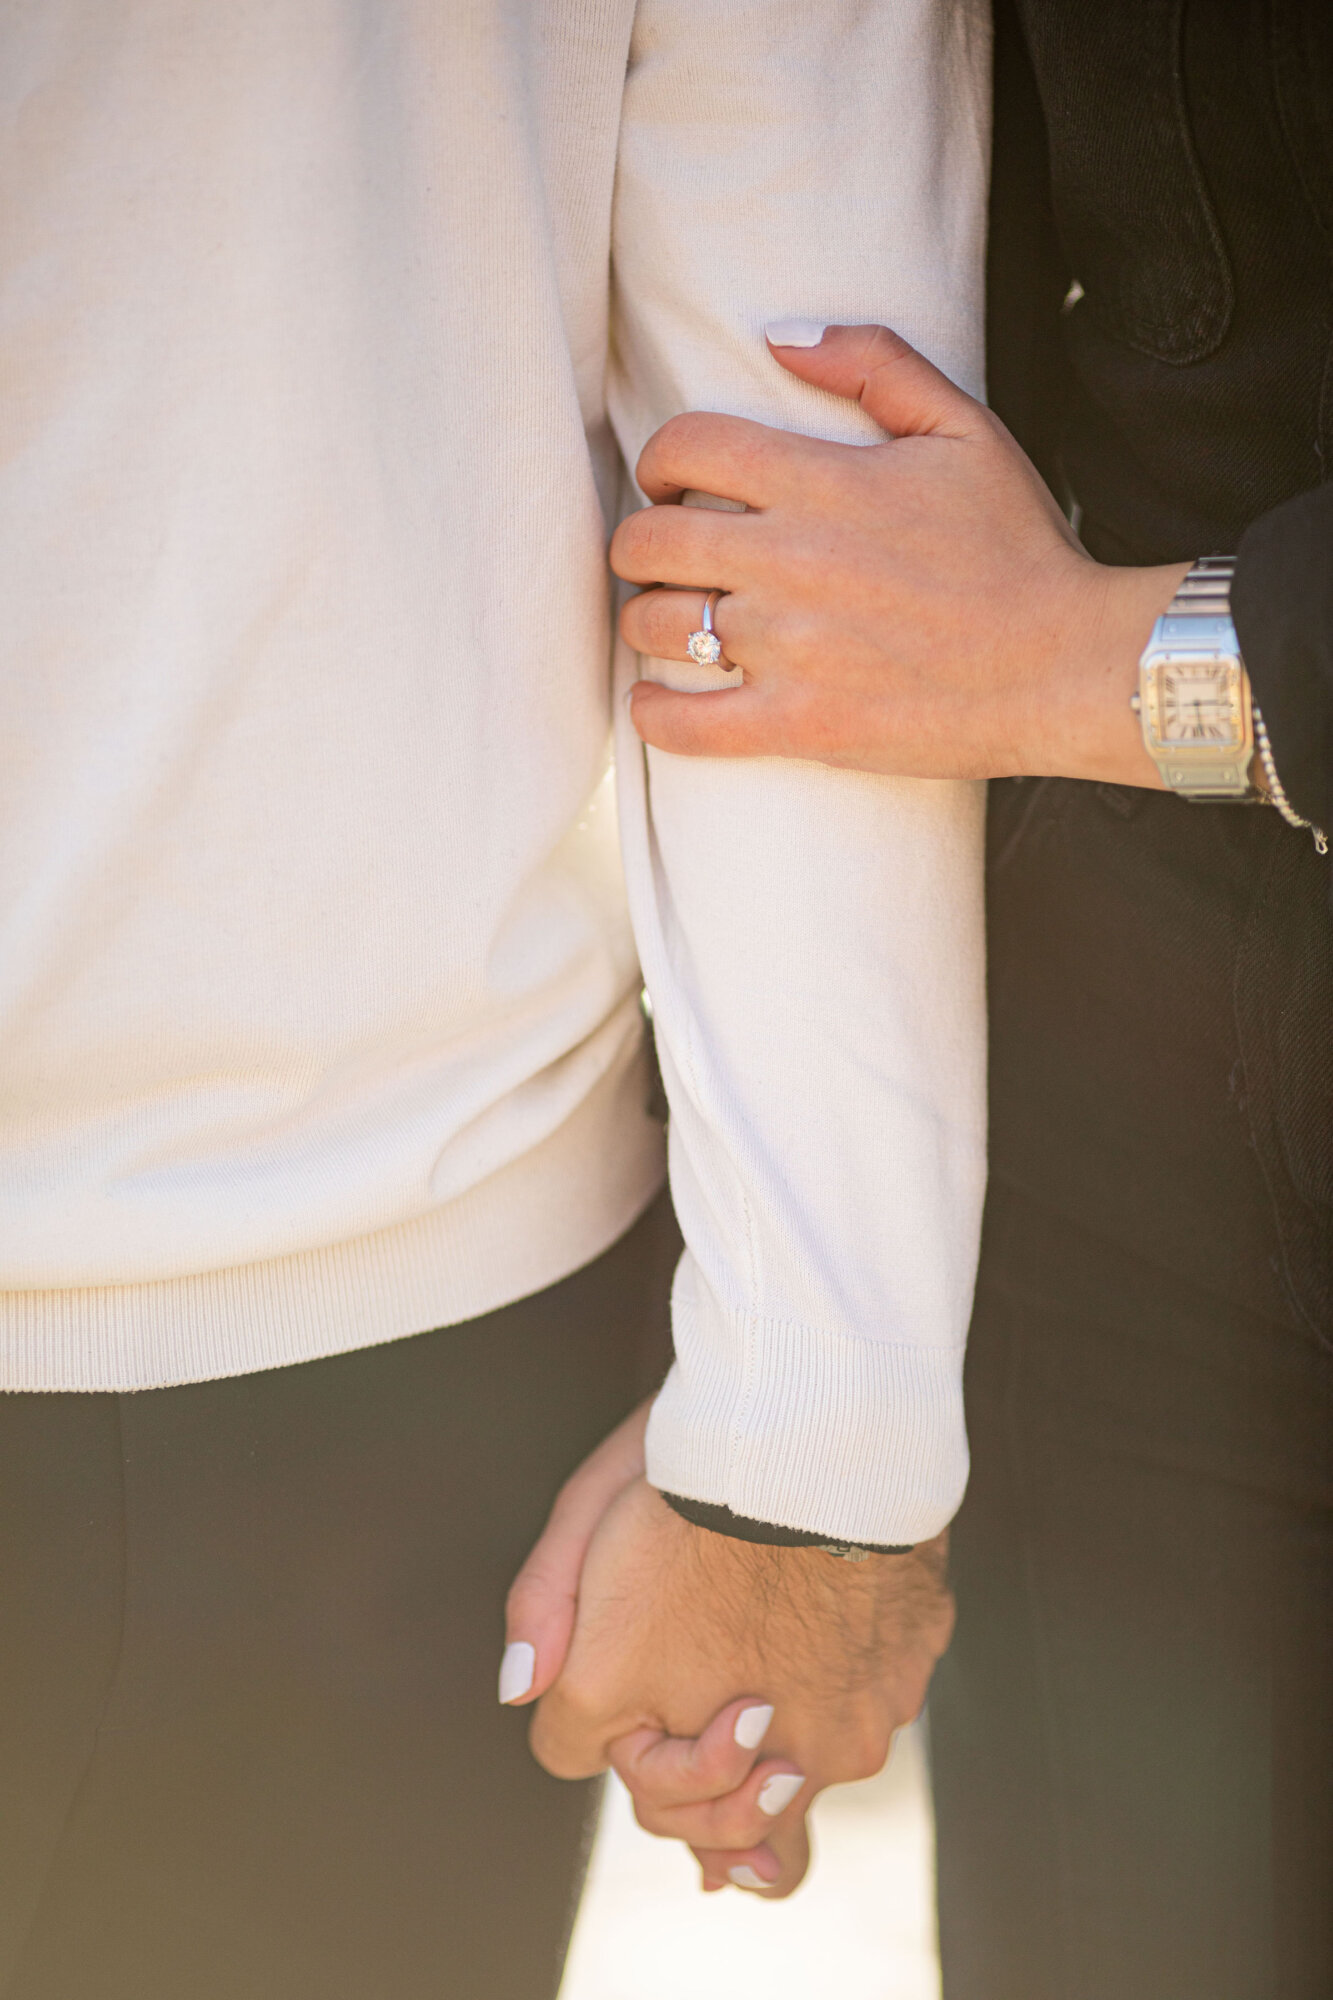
(1198,704)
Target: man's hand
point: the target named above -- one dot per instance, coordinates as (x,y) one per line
(919,607)
(675,1624)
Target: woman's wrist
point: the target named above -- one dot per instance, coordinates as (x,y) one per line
(1083,725)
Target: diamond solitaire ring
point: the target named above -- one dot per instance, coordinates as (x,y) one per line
(704,647)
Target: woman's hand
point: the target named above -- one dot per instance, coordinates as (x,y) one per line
(919,607)
(543,1598)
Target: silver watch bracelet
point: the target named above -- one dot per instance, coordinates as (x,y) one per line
(1207,588)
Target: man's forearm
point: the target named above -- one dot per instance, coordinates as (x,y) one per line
(812,941)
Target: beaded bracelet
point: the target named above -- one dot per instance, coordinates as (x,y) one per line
(1276,792)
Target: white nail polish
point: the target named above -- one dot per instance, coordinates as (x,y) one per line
(516,1670)
(776,1793)
(794,332)
(745,1878)
(752,1726)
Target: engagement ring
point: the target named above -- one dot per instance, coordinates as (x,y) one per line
(704,646)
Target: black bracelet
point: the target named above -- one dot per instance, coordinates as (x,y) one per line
(740,1528)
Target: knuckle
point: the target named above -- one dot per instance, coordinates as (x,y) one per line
(713,1769)
(587,1699)
(885,346)
(651,540)
(870,1754)
(551,1753)
(577,1701)
(663,617)
(681,437)
(557,1749)
(638,540)
(862,1751)
(734,1819)
(631,623)
(739,1823)
(629,539)
(798,634)
(647,1785)
(633,626)
(659,528)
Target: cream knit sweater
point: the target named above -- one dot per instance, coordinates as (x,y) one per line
(326,334)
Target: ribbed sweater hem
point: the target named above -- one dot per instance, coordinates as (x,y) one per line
(543,1216)
(858,1439)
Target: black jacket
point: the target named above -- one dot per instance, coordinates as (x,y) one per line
(1161,973)
(1176,161)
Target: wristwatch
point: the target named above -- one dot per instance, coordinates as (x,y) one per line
(1201,724)
(1193,702)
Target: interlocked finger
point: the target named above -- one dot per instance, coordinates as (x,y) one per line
(757,1868)
(663,1771)
(771,1870)
(743,1818)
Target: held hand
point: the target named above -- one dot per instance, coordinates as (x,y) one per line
(673,1620)
(543,1598)
(918,607)
(660,1771)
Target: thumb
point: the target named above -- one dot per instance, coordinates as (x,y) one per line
(543,1598)
(904,393)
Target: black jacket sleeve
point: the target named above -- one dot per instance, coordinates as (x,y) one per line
(1282,603)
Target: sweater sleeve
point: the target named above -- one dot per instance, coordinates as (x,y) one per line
(1282,601)
(811,939)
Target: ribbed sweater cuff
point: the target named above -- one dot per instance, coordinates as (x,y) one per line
(858,1440)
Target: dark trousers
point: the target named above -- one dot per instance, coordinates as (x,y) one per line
(1133,1732)
(250,1747)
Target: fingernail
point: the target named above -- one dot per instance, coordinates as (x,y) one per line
(776,1793)
(794,332)
(752,1726)
(516,1670)
(745,1878)
(629,696)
